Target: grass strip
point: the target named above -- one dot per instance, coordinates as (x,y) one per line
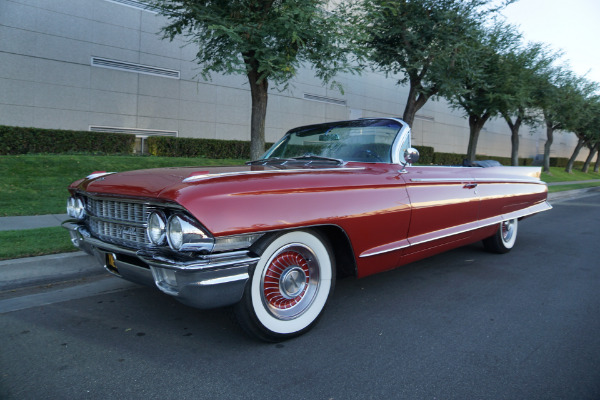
(34,242)
(574,186)
(560,175)
(37,184)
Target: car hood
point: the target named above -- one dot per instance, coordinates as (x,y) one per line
(169,183)
(149,183)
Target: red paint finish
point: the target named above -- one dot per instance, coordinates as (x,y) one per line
(390,216)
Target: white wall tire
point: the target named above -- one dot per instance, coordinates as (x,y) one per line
(504,239)
(288,289)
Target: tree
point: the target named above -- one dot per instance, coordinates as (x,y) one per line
(555,95)
(585,126)
(426,42)
(594,147)
(481,96)
(266,40)
(524,66)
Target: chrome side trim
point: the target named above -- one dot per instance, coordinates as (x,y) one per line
(195,178)
(483,180)
(456,230)
(386,248)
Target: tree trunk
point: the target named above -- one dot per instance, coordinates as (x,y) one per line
(514,138)
(569,167)
(588,160)
(597,165)
(414,102)
(259,93)
(476,123)
(547,145)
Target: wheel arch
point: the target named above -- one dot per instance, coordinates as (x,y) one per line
(345,262)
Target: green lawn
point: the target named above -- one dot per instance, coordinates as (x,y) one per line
(560,175)
(37,184)
(574,186)
(34,242)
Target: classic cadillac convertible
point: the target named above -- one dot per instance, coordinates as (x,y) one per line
(269,238)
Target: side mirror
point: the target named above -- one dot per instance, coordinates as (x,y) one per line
(411,155)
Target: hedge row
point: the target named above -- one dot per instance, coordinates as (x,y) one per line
(18,140)
(190,147)
(426,154)
(457,159)
(562,162)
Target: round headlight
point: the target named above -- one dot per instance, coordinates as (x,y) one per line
(156,229)
(185,234)
(75,208)
(70,204)
(175,232)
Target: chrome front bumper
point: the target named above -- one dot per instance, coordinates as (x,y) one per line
(216,281)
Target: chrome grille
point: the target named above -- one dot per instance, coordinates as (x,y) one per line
(118,210)
(119,222)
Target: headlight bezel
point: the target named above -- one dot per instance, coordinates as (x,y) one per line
(76,208)
(185,234)
(157,217)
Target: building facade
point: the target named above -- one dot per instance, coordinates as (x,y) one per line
(101,65)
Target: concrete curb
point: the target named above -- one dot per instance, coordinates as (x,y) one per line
(35,271)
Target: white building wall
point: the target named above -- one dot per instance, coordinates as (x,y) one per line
(47,81)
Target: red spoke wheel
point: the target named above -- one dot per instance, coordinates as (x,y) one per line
(289,287)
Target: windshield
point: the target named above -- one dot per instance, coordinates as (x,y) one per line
(368,140)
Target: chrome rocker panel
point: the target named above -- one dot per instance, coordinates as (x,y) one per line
(213,282)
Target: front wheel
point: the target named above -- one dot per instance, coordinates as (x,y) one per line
(504,238)
(289,287)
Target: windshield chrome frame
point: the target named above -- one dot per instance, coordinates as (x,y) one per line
(402,136)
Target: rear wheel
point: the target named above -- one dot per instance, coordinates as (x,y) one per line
(504,238)
(289,287)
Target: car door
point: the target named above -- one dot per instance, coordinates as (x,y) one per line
(444,205)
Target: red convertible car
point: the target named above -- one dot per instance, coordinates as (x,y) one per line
(269,238)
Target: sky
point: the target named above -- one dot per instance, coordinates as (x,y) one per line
(572,26)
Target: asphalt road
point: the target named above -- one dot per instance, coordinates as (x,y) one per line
(462,325)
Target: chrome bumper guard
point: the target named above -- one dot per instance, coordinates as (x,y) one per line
(215,281)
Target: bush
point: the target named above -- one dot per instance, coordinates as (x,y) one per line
(426,154)
(448,158)
(190,147)
(562,162)
(18,140)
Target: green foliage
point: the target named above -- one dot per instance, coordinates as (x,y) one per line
(192,147)
(426,154)
(265,40)
(35,184)
(457,159)
(271,38)
(563,161)
(448,158)
(18,140)
(427,43)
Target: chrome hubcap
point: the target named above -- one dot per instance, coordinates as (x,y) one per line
(507,230)
(292,282)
